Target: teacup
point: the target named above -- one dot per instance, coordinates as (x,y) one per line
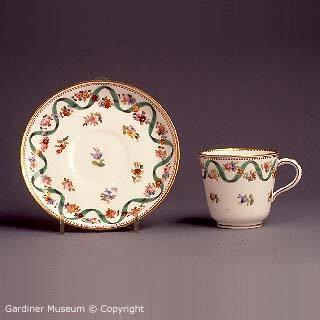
(239,184)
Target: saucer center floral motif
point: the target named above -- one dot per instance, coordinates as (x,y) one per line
(97,158)
(68,184)
(214,197)
(246,199)
(109,195)
(61,144)
(94,118)
(131,132)
(137,172)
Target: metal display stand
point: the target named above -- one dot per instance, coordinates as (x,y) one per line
(134,226)
(61,220)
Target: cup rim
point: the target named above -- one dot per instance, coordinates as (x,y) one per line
(260,152)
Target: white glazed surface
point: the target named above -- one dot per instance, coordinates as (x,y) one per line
(90,177)
(229,210)
(239,184)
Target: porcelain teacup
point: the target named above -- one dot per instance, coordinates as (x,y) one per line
(239,184)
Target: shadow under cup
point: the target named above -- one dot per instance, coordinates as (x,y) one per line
(239,184)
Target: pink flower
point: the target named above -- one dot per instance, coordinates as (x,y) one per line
(33,163)
(44,144)
(92,119)
(46,180)
(46,121)
(150,190)
(141,117)
(127,99)
(161,129)
(166,172)
(68,184)
(161,152)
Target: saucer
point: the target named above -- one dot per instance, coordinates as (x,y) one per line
(102,154)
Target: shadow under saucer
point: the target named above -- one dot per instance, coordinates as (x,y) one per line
(43,223)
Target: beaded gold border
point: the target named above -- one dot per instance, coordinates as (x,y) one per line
(268,153)
(131,88)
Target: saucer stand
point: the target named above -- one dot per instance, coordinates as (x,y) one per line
(61,223)
(134,226)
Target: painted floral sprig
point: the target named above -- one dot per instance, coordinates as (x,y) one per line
(126,98)
(66,111)
(82,95)
(246,199)
(140,115)
(137,172)
(110,213)
(61,144)
(94,118)
(109,194)
(97,158)
(214,197)
(68,184)
(131,132)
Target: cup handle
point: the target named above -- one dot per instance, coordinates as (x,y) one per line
(296,179)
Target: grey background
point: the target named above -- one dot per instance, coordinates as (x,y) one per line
(229,73)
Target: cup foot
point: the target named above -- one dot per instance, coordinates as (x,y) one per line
(229,226)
